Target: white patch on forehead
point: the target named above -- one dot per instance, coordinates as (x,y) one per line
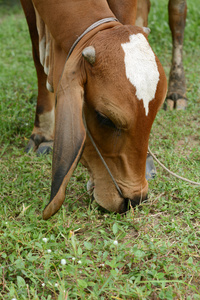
(141,68)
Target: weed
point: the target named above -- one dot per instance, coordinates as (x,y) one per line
(153,251)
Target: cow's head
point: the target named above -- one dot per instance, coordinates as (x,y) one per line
(115,88)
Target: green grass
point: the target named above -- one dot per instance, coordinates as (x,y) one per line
(158,250)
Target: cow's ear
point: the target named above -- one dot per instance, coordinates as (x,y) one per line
(69,139)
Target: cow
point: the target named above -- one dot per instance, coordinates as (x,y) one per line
(100,78)
(177,10)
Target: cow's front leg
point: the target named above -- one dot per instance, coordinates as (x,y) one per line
(143,8)
(176,97)
(41,139)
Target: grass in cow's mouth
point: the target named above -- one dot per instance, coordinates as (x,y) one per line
(152,252)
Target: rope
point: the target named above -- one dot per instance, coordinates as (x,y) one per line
(170,172)
(101,157)
(105,164)
(93,26)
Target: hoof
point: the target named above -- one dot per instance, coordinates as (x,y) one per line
(181,104)
(45,148)
(175,101)
(150,168)
(39,144)
(30,147)
(169,104)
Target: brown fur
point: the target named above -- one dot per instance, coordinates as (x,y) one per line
(90,88)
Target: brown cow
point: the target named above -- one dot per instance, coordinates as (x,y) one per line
(108,92)
(177,9)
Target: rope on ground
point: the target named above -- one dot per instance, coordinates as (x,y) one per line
(170,172)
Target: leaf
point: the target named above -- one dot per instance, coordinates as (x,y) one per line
(139,254)
(115,228)
(73,242)
(190,261)
(82,283)
(88,245)
(4,255)
(79,251)
(20,282)
(19,263)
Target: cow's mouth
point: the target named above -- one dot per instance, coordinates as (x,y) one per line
(126,204)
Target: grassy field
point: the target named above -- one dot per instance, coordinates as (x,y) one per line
(152,252)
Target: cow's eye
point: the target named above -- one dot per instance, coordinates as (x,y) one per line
(105,121)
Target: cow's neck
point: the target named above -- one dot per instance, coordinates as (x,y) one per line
(66,20)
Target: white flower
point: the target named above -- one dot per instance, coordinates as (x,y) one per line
(45,240)
(49,251)
(79,262)
(6,224)
(13,299)
(43,284)
(63,261)
(56,285)
(115,242)
(101,265)
(73,258)
(80,272)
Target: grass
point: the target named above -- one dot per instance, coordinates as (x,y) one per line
(157,253)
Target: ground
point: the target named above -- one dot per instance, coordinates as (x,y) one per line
(152,252)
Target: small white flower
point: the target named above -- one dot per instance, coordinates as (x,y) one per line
(73,258)
(80,272)
(79,262)
(13,299)
(56,285)
(43,284)
(115,242)
(63,261)
(49,251)
(101,265)
(45,240)
(6,224)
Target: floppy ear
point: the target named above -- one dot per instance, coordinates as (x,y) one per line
(69,139)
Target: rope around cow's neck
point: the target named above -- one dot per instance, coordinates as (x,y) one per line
(93,26)
(170,172)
